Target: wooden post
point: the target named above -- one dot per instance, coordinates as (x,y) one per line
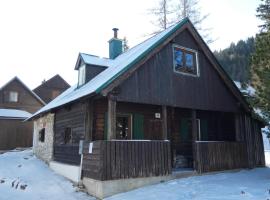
(164,123)
(194,138)
(237,128)
(89,121)
(111,118)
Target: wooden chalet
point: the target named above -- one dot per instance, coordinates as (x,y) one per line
(50,89)
(163,105)
(17,102)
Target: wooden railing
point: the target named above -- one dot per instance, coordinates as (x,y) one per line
(217,156)
(68,154)
(126,159)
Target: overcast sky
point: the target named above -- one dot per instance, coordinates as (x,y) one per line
(41,38)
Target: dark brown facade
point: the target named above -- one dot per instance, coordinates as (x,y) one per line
(26,99)
(195,120)
(51,88)
(14,132)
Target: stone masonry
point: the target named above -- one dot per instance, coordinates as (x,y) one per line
(44,150)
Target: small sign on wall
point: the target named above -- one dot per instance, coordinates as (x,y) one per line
(157,115)
(81,147)
(90,147)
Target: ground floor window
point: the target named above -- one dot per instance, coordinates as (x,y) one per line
(123,127)
(68,135)
(41,135)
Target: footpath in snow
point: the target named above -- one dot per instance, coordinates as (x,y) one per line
(24,177)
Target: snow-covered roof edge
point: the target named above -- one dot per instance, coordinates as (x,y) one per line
(14,114)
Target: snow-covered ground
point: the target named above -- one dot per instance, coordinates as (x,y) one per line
(246,184)
(24,177)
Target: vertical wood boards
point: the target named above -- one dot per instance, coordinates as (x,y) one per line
(155,82)
(112,160)
(111,119)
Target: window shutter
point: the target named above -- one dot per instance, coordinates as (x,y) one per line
(138,128)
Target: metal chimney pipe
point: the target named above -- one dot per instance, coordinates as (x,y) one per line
(115,32)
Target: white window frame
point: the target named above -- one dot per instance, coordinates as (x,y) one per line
(13,96)
(196,59)
(82,75)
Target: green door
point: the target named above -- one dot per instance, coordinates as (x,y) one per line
(138,133)
(185,130)
(204,129)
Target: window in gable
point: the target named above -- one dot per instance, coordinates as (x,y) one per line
(13,96)
(185,61)
(82,75)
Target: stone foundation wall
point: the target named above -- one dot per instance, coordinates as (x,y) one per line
(44,150)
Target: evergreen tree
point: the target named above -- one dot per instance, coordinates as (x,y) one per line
(261,59)
(236,59)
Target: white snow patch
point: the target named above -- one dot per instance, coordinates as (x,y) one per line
(246,184)
(250,91)
(12,113)
(22,169)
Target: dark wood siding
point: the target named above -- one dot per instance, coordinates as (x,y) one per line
(152,127)
(217,156)
(155,82)
(126,159)
(72,117)
(15,133)
(92,71)
(26,100)
(69,117)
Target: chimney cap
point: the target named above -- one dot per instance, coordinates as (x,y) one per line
(115,30)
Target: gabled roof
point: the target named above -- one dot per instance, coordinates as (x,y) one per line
(57,76)
(93,60)
(122,64)
(14,114)
(28,89)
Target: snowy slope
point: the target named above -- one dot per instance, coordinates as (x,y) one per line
(33,180)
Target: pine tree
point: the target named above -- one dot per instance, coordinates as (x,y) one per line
(261,59)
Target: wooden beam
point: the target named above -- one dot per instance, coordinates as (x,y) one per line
(89,121)
(194,137)
(111,118)
(164,123)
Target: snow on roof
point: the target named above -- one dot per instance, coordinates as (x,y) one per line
(14,114)
(117,66)
(95,60)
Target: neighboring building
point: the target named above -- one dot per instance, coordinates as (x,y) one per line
(164,104)
(17,102)
(51,88)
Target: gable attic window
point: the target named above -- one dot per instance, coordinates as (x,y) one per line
(185,61)
(82,74)
(41,135)
(13,96)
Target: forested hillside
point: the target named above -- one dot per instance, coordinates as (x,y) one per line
(236,59)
